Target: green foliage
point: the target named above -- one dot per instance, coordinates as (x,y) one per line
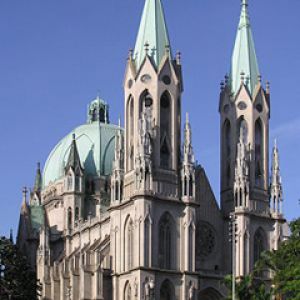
(248,288)
(17,279)
(285,264)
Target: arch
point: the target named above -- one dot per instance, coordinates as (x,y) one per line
(242,123)
(258,152)
(167,290)
(146,101)
(259,244)
(70,219)
(127,291)
(210,294)
(76,213)
(128,244)
(167,246)
(102,115)
(165,129)
(147,253)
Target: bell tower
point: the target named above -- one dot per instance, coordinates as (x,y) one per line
(153,87)
(245,104)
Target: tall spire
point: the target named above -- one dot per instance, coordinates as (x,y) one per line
(38,179)
(276,184)
(152,38)
(244,58)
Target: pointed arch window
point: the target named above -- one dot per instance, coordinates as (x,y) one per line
(127,291)
(259,244)
(167,291)
(258,153)
(129,244)
(69,218)
(102,115)
(165,242)
(146,102)
(77,213)
(165,129)
(147,242)
(117,190)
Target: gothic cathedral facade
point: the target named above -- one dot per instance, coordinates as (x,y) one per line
(127,214)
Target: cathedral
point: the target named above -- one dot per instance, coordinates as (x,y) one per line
(127,213)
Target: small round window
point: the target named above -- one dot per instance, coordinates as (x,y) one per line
(166,80)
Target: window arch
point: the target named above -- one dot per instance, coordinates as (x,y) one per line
(127,291)
(69,218)
(258,153)
(117,190)
(167,291)
(165,129)
(128,244)
(146,102)
(76,213)
(102,115)
(259,244)
(166,242)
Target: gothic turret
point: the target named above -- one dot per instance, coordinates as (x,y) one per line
(117,178)
(188,164)
(245,102)
(276,192)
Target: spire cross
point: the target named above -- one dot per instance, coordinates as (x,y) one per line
(245,2)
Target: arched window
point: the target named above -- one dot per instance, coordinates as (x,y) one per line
(117,190)
(102,115)
(94,115)
(258,153)
(129,244)
(121,190)
(69,182)
(147,242)
(185,186)
(259,244)
(191,186)
(127,291)
(227,149)
(242,126)
(146,102)
(167,291)
(69,217)
(191,247)
(165,129)
(76,213)
(77,183)
(165,242)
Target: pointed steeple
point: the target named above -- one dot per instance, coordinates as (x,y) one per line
(152,38)
(38,179)
(276,184)
(244,60)
(74,159)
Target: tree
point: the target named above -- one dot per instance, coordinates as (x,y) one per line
(17,279)
(285,264)
(249,288)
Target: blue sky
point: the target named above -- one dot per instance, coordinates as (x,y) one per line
(55,55)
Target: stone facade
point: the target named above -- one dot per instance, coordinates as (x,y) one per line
(144,223)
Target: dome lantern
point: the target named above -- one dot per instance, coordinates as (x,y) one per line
(98,111)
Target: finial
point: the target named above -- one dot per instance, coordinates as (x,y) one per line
(226,79)
(146,47)
(244,2)
(275,143)
(25,191)
(74,136)
(119,122)
(38,165)
(130,54)
(268,87)
(178,57)
(187,117)
(242,77)
(222,84)
(259,78)
(98,95)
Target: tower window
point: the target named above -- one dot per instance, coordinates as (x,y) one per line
(69,218)
(258,153)
(102,115)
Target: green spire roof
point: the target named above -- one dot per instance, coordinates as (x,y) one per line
(153,34)
(244,57)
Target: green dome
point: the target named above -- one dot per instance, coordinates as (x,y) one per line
(95,143)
